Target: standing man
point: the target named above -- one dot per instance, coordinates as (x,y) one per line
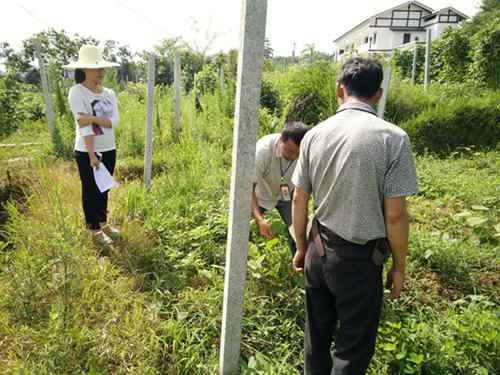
(359,169)
(275,161)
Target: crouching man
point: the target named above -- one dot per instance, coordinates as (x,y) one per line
(275,161)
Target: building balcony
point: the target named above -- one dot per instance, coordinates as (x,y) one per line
(409,46)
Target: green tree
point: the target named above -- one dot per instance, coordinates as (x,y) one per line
(451,56)
(206,80)
(191,62)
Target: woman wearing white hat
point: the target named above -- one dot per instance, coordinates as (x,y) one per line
(96,116)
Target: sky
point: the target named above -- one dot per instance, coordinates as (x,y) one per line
(212,24)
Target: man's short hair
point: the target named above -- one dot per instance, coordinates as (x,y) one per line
(295,131)
(361,77)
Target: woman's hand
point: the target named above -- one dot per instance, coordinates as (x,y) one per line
(85,119)
(94,161)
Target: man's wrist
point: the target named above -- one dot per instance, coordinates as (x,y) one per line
(302,246)
(399,267)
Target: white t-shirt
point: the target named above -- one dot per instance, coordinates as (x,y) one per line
(82,100)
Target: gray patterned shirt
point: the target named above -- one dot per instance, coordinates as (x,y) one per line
(350,163)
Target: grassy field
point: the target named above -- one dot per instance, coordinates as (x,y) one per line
(153,303)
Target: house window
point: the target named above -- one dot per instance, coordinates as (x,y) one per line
(406,38)
(400,14)
(366,39)
(374,40)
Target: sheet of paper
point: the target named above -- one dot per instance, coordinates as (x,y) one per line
(292,233)
(103,179)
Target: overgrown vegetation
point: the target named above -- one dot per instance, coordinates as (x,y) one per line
(152,304)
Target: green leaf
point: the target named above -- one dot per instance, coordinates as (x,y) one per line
(252,363)
(480,208)
(416,358)
(206,274)
(389,347)
(462,214)
(271,244)
(497,228)
(475,221)
(400,356)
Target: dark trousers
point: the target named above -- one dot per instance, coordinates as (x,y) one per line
(343,288)
(95,203)
(285,211)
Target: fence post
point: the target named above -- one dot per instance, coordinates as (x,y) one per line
(414,64)
(148,151)
(177,94)
(222,80)
(386,84)
(46,91)
(427,58)
(250,60)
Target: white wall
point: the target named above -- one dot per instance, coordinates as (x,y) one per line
(438,29)
(397,37)
(384,38)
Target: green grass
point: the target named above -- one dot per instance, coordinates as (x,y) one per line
(153,304)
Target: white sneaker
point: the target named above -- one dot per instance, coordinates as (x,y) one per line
(111,231)
(102,238)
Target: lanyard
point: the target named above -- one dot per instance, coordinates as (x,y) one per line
(283,172)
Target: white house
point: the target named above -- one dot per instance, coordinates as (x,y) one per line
(395,28)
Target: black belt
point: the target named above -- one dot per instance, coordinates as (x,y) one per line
(322,236)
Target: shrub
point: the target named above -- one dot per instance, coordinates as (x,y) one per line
(18,103)
(450,56)
(486,55)
(405,101)
(206,80)
(461,340)
(270,97)
(319,80)
(9,95)
(461,122)
(402,62)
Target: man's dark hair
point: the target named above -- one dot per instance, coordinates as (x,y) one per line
(79,76)
(361,77)
(295,131)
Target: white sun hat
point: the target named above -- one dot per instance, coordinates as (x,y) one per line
(90,57)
